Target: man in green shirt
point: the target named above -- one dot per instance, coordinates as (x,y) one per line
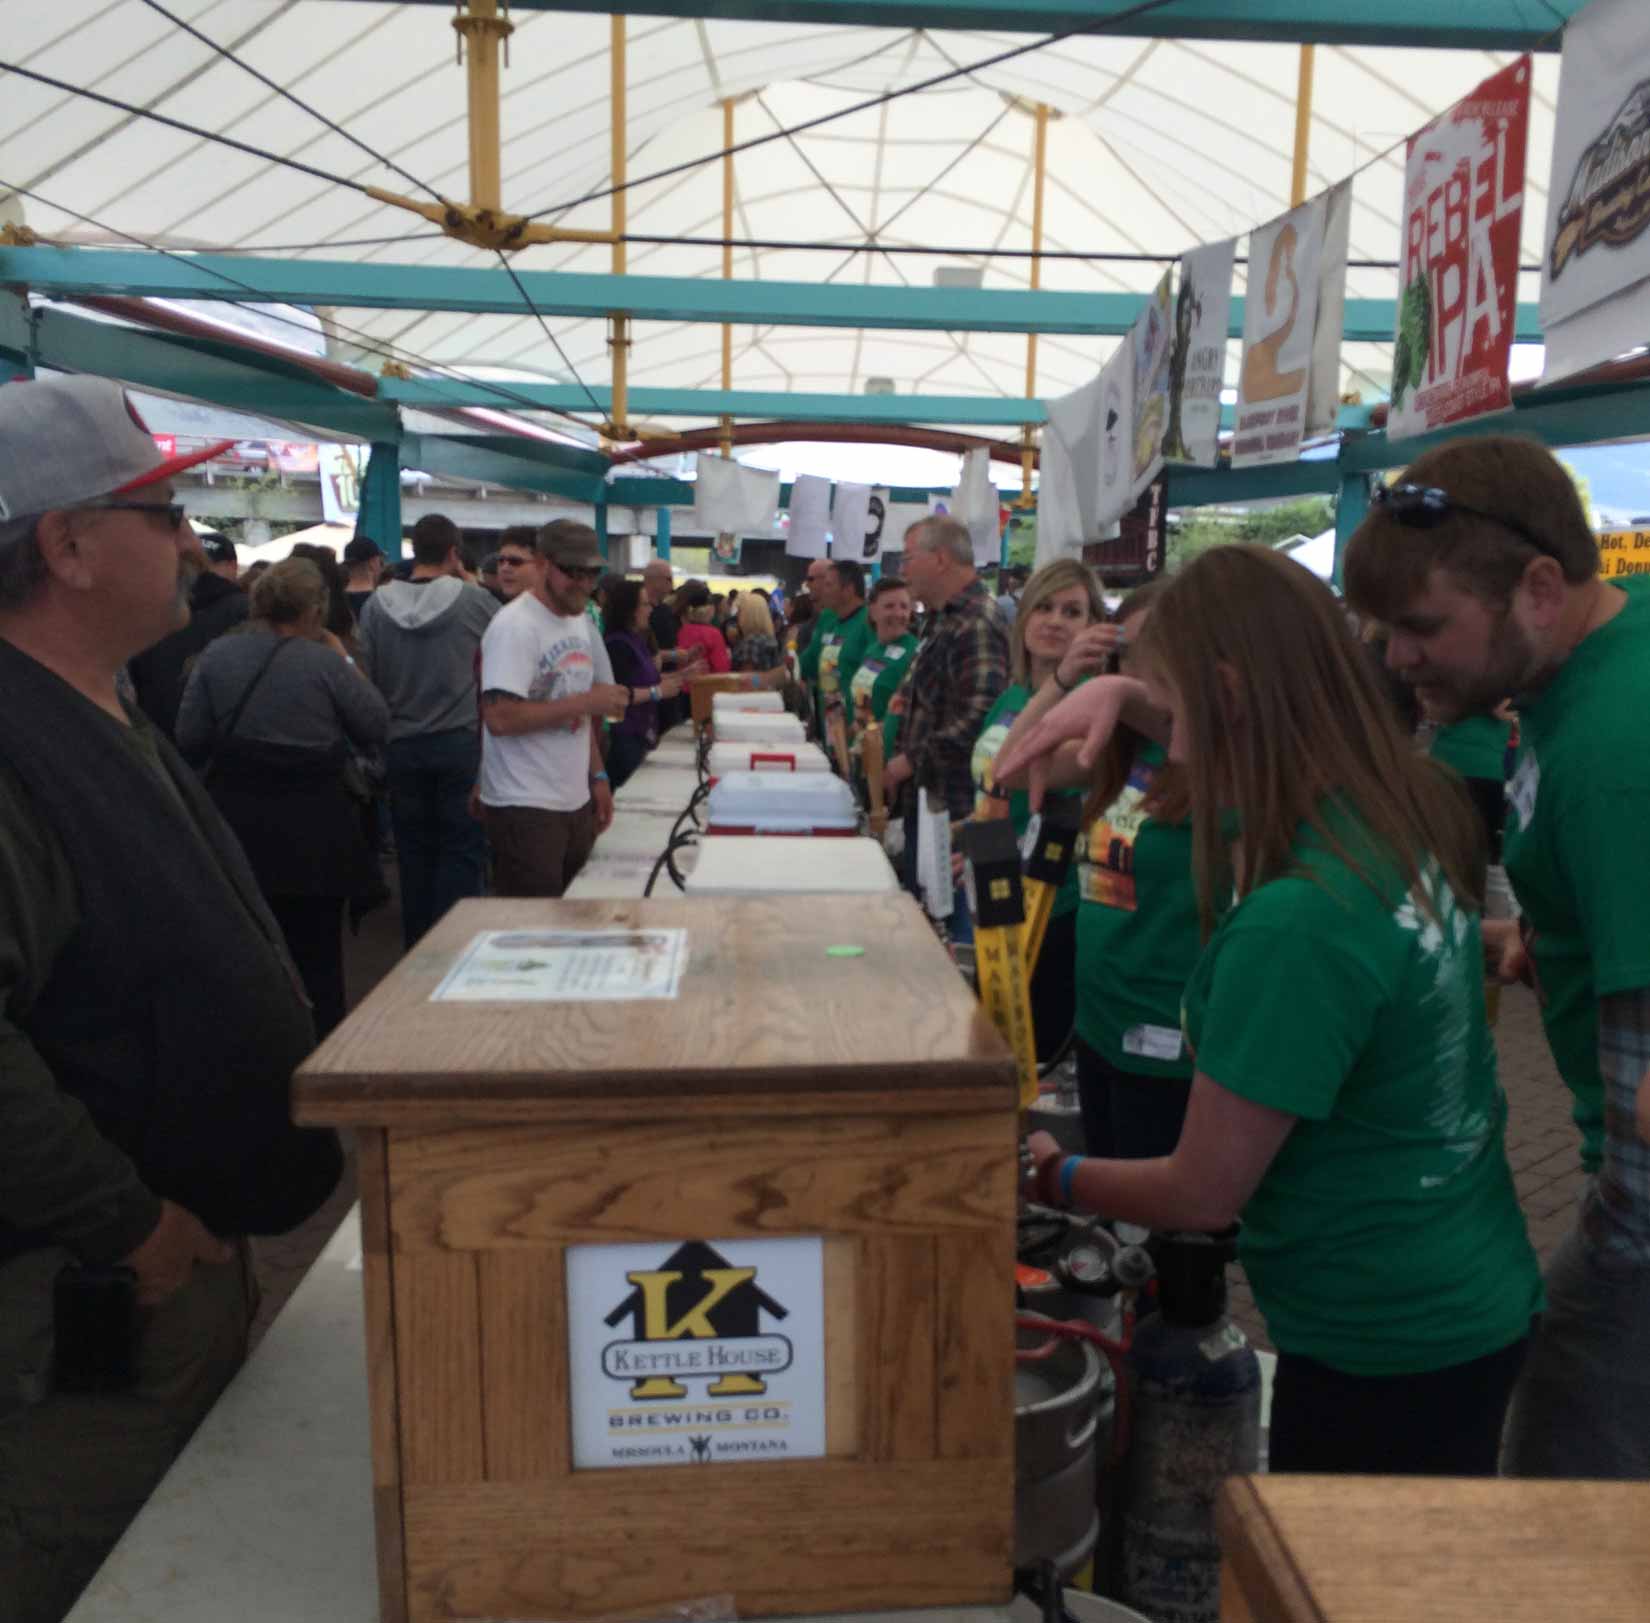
(1481,561)
(824,624)
(851,638)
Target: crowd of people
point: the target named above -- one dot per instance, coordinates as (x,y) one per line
(1269,959)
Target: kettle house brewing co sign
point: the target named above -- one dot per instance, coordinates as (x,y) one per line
(696,1352)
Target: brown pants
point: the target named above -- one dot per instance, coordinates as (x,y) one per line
(76,1468)
(538,853)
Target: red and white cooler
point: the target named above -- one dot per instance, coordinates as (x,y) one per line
(758,757)
(757,727)
(779,803)
(795,864)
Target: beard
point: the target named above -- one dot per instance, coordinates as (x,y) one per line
(1512,666)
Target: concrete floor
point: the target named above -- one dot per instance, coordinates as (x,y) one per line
(1542,1142)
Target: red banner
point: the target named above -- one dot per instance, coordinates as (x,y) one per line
(1458,272)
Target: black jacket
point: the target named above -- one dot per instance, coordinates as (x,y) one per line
(160,674)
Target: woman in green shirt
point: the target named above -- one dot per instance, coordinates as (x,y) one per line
(1050,652)
(881,671)
(1345,1101)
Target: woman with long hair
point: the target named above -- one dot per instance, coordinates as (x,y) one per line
(1345,1101)
(270,717)
(637,731)
(756,648)
(1047,659)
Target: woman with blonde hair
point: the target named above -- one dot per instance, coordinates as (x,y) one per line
(757,648)
(1050,652)
(270,717)
(1345,1102)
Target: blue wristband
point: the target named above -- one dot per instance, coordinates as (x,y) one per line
(1068,1170)
(599,777)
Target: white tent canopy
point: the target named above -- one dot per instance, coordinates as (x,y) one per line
(1159,144)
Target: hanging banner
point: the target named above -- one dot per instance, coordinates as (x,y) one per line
(1116,430)
(726,548)
(876,523)
(899,518)
(850,519)
(975,503)
(1323,393)
(1597,269)
(729,496)
(810,513)
(1458,267)
(1197,355)
(1280,312)
(1150,343)
(342,469)
(1068,472)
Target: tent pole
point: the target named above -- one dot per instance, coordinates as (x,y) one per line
(1303,125)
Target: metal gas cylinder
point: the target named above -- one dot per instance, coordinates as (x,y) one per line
(1194,1421)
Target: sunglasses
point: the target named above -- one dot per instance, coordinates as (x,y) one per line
(1425,507)
(580,571)
(173,511)
(507,560)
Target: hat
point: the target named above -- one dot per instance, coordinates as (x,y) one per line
(64,441)
(571,546)
(362,549)
(219,548)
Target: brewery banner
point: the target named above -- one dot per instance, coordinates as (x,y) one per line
(1596,274)
(1197,355)
(808,532)
(1150,343)
(1458,263)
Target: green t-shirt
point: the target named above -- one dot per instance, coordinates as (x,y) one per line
(1385,1238)
(840,658)
(1575,846)
(825,624)
(1138,931)
(992,737)
(878,679)
(1476,747)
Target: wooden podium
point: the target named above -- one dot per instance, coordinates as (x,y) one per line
(692,1295)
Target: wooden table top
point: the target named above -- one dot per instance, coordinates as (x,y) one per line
(1319,1549)
(765,1018)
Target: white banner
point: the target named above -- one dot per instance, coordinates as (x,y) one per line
(810,517)
(897,520)
(1197,355)
(1068,473)
(1323,397)
(1596,276)
(1150,343)
(1116,468)
(1280,310)
(975,503)
(729,496)
(343,468)
(850,519)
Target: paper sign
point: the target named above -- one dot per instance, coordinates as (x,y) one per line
(1279,321)
(1458,266)
(566,966)
(850,519)
(1623,552)
(1323,393)
(342,469)
(729,496)
(696,1353)
(1150,344)
(1197,355)
(810,511)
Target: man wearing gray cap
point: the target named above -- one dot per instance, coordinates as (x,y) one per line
(150,1019)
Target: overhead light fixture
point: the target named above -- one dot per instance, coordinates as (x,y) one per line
(958,275)
(879,386)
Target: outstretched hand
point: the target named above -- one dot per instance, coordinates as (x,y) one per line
(1087,717)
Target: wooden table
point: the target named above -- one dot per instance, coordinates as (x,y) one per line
(1308,1549)
(863,1100)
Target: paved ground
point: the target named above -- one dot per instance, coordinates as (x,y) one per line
(1541,1140)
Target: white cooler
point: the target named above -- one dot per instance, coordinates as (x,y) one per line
(797,757)
(757,727)
(722,704)
(777,803)
(790,864)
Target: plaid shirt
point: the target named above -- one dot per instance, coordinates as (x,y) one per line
(956,676)
(1616,1214)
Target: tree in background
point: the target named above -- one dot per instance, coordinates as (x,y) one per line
(1200,529)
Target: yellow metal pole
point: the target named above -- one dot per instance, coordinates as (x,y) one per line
(1303,126)
(484,32)
(727,262)
(1039,171)
(621,325)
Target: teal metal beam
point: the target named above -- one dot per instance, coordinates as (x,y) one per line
(217,373)
(1226,486)
(1349,514)
(456,457)
(379,518)
(661,534)
(563,294)
(1489,25)
(547,453)
(16,339)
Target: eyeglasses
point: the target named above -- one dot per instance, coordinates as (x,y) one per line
(513,561)
(173,511)
(580,571)
(1425,507)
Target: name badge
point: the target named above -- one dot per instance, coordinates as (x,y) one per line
(1522,790)
(1153,1042)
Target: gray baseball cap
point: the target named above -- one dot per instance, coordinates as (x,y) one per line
(64,441)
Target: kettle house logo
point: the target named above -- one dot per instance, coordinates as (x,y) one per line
(1609,197)
(718,1356)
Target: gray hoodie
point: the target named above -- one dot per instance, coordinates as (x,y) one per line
(418,643)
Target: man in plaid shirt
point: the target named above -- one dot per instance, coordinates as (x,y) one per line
(1482,561)
(955,678)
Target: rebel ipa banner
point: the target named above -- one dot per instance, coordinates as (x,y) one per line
(1596,275)
(1280,312)
(1197,355)
(1458,268)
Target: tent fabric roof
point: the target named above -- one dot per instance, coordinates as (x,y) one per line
(1160,144)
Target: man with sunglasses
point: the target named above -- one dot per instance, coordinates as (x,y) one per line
(1481,561)
(150,1019)
(546,686)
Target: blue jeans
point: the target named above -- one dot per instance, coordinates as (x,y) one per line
(439,847)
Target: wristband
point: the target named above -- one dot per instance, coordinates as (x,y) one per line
(1068,1170)
(653,693)
(600,777)
(1061,685)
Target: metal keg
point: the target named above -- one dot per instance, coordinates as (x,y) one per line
(1064,1406)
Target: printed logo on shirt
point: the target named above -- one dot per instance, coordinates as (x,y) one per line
(1105,852)
(830,659)
(986,749)
(565,668)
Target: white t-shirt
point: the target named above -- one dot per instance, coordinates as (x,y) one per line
(537,655)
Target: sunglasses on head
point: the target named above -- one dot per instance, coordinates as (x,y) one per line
(1425,507)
